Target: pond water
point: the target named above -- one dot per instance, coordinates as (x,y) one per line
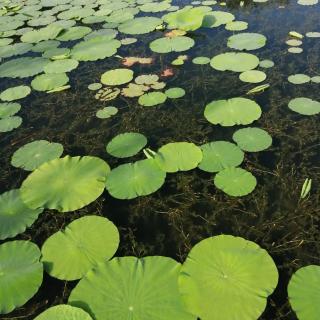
(188,207)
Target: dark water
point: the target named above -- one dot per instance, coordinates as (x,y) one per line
(188,208)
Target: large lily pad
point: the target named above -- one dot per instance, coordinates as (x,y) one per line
(175,44)
(132,180)
(219,155)
(85,242)
(252,139)
(49,81)
(117,77)
(61,66)
(74,183)
(235,182)
(178,156)
(247,41)
(229,276)
(234,61)
(33,154)
(140,25)
(20,274)
(63,312)
(303,291)
(15,216)
(233,111)
(131,288)
(305,106)
(126,144)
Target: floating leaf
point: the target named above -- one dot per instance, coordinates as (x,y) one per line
(304,106)
(9,109)
(201,60)
(178,156)
(252,76)
(175,93)
(74,33)
(252,139)
(223,274)
(215,19)
(15,216)
(296,50)
(140,25)
(299,78)
(74,183)
(95,86)
(49,81)
(126,144)
(33,154)
(117,77)
(294,42)
(234,61)
(21,274)
(295,34)
(176,44)
(132,180)
(145,288)
(15,93)
(266,64)
(152,99)
(306,187)
(259,89)
(63,312)
(303,291)
(219,155)
(233,111)
(236,26)
(134,90)
(107,94)
(86,242)
(9,123)
(147,79)
(235,182)
(247,41)
(43,34)
(61,66)
(106,112)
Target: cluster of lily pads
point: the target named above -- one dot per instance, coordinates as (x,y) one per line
(222,275)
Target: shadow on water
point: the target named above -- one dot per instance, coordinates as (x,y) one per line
(188,208)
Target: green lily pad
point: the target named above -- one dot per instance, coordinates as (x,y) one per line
(132,288)
(74,33)
(32,155)
(74,183)
(235,182)
(236,26)
(63,312)
(85,242)
(229,276)
(15,216)
(8,109)
(299,78)
(315,79)
(23,67)
(215,19)
(201,60)
(304,106)
(9,123)
(126,144)
(252,139)
(49,81)
(47,33)
(21,274)
(266,64)
(234,61)
(175,93)
(232,112)
(146,79)
(294,42)
(219,155)
(95,86)
(140,25)
(15,93)
(296,50)
(178,156)
(175,44)
(61,66)
(132,180)
(117,77)
(247,41)
(303,291)
(15,50)
(152,99)
(106,112)
(252,76)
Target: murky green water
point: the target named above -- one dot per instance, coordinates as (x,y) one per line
(189,208)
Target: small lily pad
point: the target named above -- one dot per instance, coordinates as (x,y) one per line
(201,60)
(252,76)
(9,109)
(9,123)
(299,78)
(152,99)
(106,112)
(15,93)
(175,93)
(117,77)
(304,106)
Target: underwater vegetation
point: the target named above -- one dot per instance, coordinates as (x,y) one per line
(160,160)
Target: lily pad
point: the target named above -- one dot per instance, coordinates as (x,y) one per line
(178,156)
(74,33)
(61,66)
(106,112)
(234,61)
(117,77)
(126,144)
(247,41)
(236,26)
(15,93)
(252,139)
(175,93)
(132,180)
(15,216)
(305,106)
(201,60)
(303,291)
(49,81)
(21,274)
(140,25)
(132,288)
(232,112)
(63,312)
(9,123)
(315,79)
(219,155)
(85,242)
(235,182)
(34,154)
(229,276)
(9,109)
(152,99)
(299,78)
(74,183)
(252,76)
(266,64)
(215,19)
(176,44)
